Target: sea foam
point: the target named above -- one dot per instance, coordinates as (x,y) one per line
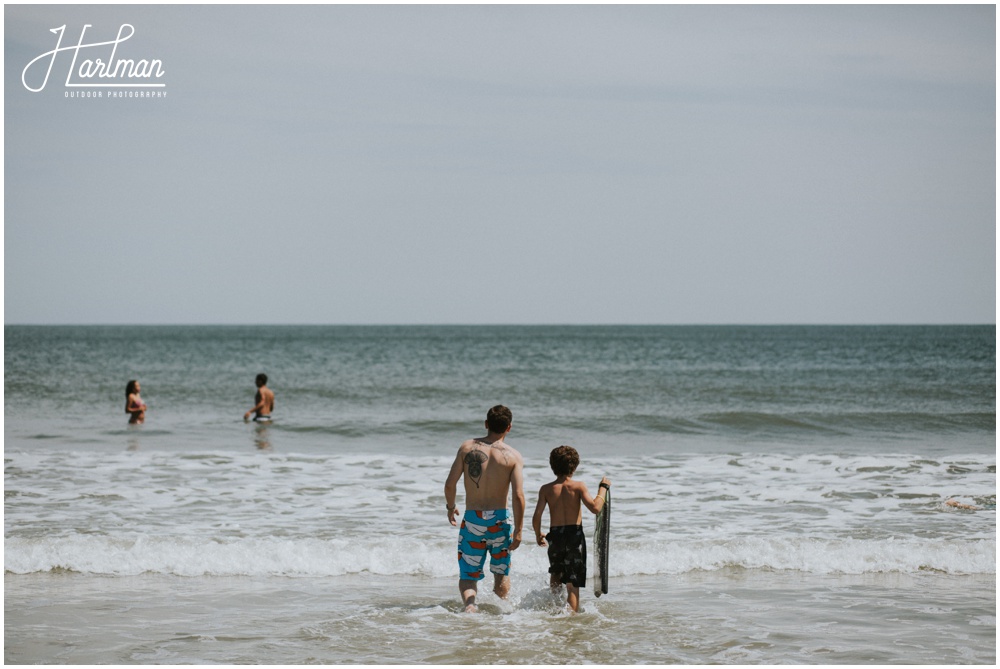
(195,556)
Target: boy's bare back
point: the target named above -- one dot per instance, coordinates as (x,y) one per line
(563,498)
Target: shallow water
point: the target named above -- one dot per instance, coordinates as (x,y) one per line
(267,513)
(731,617)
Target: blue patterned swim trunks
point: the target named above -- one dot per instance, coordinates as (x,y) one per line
(484,531)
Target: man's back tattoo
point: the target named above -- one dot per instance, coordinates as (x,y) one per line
(474,461)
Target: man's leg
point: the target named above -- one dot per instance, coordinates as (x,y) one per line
(468,590)
(501,585)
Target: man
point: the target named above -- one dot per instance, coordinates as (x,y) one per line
(491,468)
(264,402)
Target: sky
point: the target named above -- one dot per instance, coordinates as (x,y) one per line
(373,164)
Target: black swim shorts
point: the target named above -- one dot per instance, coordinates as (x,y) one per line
(568,554)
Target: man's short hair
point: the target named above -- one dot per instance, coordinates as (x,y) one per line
(564,460)
(498,419)
(262,379)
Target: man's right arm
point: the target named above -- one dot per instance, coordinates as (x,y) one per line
(451,487)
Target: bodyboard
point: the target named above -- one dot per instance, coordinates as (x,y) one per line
(602,532)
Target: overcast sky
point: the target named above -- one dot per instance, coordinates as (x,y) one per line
(506,164)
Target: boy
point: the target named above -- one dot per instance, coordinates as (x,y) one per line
(567,543)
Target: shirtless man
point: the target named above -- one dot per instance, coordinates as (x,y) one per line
(264,402)
(491,468)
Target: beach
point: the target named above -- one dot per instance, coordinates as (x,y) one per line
(781,494)
(730,617)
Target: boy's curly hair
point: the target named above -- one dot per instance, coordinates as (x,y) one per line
(564,460)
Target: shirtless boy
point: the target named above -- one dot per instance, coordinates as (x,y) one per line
(490,468)
(566,541)
(264,402)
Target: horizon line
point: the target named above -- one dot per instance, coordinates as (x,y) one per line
(513,324)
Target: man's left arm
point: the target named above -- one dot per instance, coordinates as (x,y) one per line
(259,399)
(517,491)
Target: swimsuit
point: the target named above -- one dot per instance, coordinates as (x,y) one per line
(262,419)
(568,554)
(482,531)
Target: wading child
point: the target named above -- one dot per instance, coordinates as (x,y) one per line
(566,541)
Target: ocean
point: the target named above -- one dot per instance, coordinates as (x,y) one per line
(781,494)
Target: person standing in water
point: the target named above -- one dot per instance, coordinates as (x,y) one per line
(264,402)
(134,406)
(567,545)
(491,469)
